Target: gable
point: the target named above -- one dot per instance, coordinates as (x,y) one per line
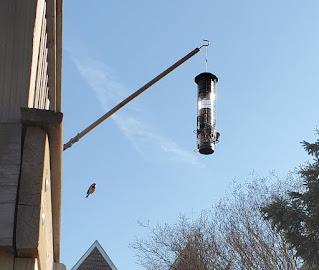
(95,258)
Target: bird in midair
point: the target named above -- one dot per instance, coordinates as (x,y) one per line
(90,190)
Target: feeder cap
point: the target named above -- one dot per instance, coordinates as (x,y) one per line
(206,75)
(206,151)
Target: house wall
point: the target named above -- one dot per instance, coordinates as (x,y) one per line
(23,83)
(30,77)
(23,54)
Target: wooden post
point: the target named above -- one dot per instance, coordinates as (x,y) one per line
(52,123)
(34,217)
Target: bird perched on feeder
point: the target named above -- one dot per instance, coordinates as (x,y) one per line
(217,136)
(91,190)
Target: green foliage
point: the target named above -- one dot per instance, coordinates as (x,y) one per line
(297,214)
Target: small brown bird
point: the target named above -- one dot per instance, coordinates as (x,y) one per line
(90,190)
(217,136)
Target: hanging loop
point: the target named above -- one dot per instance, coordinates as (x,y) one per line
(205,45)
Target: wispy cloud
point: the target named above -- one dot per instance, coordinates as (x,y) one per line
(142,136)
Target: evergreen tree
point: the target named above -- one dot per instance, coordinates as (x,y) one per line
(297,214)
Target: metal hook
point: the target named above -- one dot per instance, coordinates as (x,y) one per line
(205,44)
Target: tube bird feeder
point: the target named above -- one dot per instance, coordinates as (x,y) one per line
(207,136)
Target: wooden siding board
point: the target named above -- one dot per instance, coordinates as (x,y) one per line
(15,65)
(4,7)
(10,30)
(35,23)
(17,55)
(26,264)
(42,71)
(45,86)
(18,22)
(9,178)
(43,82)
(6,259)
(38,81)
(10,159)
(51,29)
(8,193)
(27,52)
(23,71)
(7,211)
(37,33)
(46,99)
(46,96)
(59,25)
(42,66)
(40,61)
(28,75)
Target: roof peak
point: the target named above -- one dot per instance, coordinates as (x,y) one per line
(97,245)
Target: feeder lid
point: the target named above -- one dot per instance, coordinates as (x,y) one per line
(207,151)
(206,75)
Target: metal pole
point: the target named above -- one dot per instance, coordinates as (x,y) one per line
(128,99)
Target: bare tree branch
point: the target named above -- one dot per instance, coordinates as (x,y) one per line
(232,235)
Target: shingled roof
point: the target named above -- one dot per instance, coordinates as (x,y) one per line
(95,258)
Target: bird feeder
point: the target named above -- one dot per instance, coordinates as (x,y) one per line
(207,136)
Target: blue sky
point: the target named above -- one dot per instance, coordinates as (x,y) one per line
(265,54)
